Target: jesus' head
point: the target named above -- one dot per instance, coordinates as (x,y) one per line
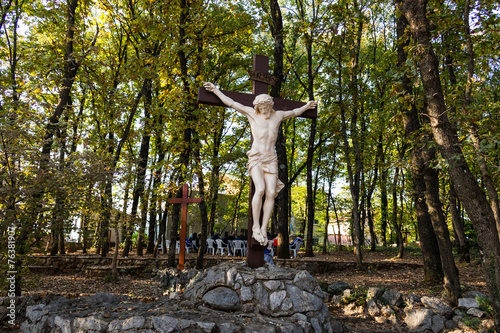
(263,103)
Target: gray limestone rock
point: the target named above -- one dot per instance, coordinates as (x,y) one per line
(164,324)
(127,324)
(246,294)
(35,312)
(468,303)
(437,305)
(338,287)
(476,313)
(64,324)
(372,307)
(419,320)
(276,298)
(90,324)
(474,294)
(437,323)
(304,301)
(222,298)
(374,292)
(412,300)
(393,297)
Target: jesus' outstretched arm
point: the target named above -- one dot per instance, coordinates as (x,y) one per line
(227,100)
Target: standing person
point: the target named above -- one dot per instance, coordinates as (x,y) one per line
(262,159)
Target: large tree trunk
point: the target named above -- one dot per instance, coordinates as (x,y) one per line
(282,201)
(435,208)
(433,270)
(468,190)
(472,127)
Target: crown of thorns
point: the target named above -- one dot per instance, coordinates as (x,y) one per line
(263,99)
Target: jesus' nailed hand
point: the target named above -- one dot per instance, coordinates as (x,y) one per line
(262,160)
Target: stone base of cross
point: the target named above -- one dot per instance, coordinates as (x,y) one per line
(261,80)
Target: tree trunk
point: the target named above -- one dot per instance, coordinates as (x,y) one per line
(395,225)
(472,127)
(468,191)
(458,226)
(203,207)
(451,278)
(384,205)
(433,270)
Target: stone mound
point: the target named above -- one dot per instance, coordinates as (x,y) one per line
(282,293)
(226,298)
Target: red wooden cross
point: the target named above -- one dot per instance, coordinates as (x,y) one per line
(184,201)
(261,81)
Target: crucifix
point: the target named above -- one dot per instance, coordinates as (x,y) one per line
(184,201)
(264,121)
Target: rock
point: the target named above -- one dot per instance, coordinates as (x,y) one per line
(419,320)
(127,324)
(353,309)
(387,311)
(90,324)
(372,308)
(338,287)
(393,297)
(374,292)
(474,294)
(222,298)
(276,298)
(412,300)
(450,324)
(476,313)
(35,312)
(303,301)
(468,303)
(437,323)
(64,324)
(437,305)
(246,294)
(164,324)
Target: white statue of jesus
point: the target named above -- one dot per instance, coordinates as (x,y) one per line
(262,160)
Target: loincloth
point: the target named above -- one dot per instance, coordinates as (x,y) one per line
(268,163)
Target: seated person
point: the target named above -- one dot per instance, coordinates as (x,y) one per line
(297,238)
(226,241)
(241,236)
(194,240)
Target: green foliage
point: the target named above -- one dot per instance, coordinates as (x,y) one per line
(472,322)
(485,304)
(358,297)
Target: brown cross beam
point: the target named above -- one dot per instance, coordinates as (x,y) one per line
(184,201)
(260,85)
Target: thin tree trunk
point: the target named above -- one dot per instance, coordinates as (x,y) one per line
(395,225)
(458,226)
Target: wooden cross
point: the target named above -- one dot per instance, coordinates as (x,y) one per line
(261,80)
(184,201)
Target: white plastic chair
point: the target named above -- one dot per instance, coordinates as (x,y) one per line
(210,246)
(295,248)
(239,245)
(221,247)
